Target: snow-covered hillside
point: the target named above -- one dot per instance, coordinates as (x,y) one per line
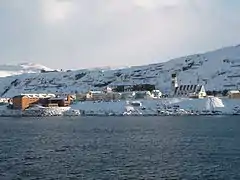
(23,68)
(217,70)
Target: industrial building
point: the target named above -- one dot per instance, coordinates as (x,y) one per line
(24,101)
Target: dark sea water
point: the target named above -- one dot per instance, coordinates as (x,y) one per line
(120,148)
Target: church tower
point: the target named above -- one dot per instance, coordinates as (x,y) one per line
(174,82)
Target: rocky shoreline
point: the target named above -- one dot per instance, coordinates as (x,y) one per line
(164,107)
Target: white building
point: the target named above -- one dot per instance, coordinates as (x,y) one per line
(107,90)
(193,91)
(95,95)
(156,94)
(234,94)
(189,90)
(39,95)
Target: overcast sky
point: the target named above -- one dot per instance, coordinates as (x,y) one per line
(91,33)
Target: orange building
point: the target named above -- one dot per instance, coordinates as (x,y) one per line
(23,102)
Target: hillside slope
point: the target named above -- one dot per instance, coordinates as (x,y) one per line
(217,70)
(22,68)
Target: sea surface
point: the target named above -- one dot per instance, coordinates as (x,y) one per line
(120,148)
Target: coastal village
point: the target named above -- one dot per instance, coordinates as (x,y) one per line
(134,94)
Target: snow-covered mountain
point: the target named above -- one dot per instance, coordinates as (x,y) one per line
(217,70)
(23,68)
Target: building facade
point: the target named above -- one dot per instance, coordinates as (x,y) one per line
(186,90)
(192,91)
(24,101)
(234,94)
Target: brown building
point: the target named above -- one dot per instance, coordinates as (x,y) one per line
(23,102)
(59,102)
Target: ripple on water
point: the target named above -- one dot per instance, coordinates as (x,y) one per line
(120,148)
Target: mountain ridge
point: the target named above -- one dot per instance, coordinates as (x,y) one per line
(21,68)
(217,70)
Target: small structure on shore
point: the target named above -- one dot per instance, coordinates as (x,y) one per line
(234,94)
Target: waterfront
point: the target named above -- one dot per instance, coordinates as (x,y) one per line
(120,148)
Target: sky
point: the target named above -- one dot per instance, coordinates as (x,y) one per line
(75,34)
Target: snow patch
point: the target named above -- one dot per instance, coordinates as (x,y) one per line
(22,68)
(193,69)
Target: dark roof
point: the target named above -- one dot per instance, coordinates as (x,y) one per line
(175,90)
(192,88)
(19,96)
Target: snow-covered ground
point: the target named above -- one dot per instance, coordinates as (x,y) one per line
(217,70)
(22,68)
(38,111)
(168,106)
(153,107)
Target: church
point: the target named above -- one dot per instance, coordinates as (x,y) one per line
(187,90)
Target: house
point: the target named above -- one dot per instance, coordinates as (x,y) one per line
(234,94)
(98,96)
(4,101)
(107,90)
(156,94)
(143,95)
(112,96)
(95,96)
(72,96)
(81,97)
(58,102)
